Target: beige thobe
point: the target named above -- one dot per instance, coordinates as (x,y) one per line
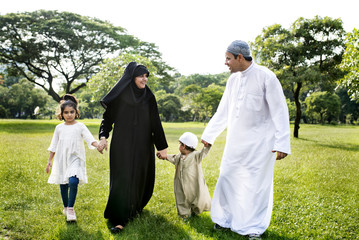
(190,188)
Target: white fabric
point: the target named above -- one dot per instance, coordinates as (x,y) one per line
(189,139)
(69,159)
(255,113)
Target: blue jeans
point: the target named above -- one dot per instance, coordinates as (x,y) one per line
(68,198)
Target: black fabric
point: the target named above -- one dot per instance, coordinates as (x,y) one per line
(140,70)
(120,85)
(137,128)
(139,93)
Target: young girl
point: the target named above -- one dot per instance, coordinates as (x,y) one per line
(191,192)
(69,165)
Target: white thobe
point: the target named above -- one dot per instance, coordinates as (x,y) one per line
(255,113)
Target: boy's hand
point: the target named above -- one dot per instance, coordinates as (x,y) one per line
(206,144)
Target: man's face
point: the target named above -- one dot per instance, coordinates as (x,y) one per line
(234,64)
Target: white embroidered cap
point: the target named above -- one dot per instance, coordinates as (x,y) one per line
(189,139)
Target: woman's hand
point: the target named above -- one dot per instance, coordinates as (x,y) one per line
(102,144)
(162,154)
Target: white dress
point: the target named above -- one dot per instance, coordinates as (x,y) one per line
(255,113)
(69,159)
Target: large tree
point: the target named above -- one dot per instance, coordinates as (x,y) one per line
(308,53)
(350,64)
(46,46)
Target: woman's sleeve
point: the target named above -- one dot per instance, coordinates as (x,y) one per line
(107,122)
(159,137)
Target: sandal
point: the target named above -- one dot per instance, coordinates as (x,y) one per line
(116,229)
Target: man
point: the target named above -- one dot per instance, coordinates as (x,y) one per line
(255,113)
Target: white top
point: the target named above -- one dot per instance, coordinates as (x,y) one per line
(70,159)
(255,113)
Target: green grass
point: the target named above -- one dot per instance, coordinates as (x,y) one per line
(315,189)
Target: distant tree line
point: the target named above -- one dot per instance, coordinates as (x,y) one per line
(45,54)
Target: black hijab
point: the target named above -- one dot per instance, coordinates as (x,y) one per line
(131,72)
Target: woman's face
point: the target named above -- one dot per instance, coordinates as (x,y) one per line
(141,81)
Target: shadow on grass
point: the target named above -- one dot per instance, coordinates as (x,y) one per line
(341,146)
(72,231)
(148,225)
(204,226)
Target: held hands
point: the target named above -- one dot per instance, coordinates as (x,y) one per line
(162,154)
(102,145)
(206,144)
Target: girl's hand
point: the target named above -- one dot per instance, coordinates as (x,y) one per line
(102,145)
(49,165)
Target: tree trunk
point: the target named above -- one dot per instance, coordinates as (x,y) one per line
(298,115)
(53,94)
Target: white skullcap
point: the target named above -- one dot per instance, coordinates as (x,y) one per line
(189,139)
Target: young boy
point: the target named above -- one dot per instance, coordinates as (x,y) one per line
(191,192)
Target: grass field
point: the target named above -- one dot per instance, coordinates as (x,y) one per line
(315,189)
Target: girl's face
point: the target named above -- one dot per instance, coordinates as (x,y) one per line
(69,114)
(141,81)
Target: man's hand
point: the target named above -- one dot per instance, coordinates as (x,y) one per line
(280,155)
(206,144)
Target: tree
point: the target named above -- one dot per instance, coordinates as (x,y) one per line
(348,107)
(169,106)
(202,81)
(306,54)
(323,106)
(4,96)
(350,64)
(203,101)
(23,98)
(47,46)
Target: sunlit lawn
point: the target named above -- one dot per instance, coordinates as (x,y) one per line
(315,189)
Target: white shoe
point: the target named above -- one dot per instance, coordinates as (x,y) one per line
(64,211)
(71,216)
(254,236)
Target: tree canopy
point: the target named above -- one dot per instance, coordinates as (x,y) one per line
(322,106)
(308,53)
(45,46)
(350,64)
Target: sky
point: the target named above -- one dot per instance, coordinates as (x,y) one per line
(193,35)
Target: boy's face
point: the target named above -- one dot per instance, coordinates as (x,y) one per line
(182,148)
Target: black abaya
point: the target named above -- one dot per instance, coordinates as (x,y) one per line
(137,127)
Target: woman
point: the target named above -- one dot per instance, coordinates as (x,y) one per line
(132,108)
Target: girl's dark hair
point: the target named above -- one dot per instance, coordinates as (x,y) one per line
(68,100)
